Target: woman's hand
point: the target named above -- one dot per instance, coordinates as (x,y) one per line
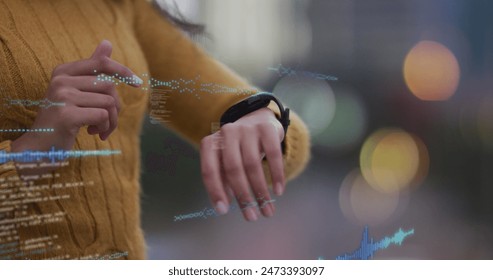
(87,102)
(237,165)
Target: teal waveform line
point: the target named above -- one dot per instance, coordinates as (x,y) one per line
(368,248)
(42,103)
(52,155)
(15,130)
(287,71)
(211,212)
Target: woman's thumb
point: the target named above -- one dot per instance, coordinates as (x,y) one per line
(103,49)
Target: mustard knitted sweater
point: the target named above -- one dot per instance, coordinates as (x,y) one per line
(89,208)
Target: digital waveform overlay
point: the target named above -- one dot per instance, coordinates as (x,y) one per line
(368,248)
(53,155)
(117,79)
(180,85)
(211,212)
(27,130)
(42,103)
(287,71)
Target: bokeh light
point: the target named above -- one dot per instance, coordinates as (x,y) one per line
(312,99)
(363,205)
(392,160)
(348,125)
(431,71)
(424,163)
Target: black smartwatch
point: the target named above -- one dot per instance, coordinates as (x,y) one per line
(253,103)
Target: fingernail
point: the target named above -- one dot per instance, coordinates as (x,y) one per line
(138,81)
(278,189)
(250,214)
(221,208)
(268,210)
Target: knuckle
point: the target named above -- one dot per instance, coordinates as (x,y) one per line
(250,164)
(207,173)
(241,196)
(214,192)
(108,102)
(58,81)
(108,87)
(103,62)
(249,130)
(232,168)
(273,150)
(266,127)
(57,70)
(102,115)
(63,93)
(206,142)
(228,128)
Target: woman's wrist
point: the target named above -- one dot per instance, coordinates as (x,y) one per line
(29,141)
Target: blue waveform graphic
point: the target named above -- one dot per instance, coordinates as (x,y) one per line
(42,103)
(368,248)
(52,155)
(15,130)
(211,212)
(287,71)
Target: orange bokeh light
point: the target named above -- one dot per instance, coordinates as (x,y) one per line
(431,71)
(392,160)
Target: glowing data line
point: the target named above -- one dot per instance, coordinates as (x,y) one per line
(16,130)
(117,79)
(211,212)
(287,71)
(42,103)
(160,90)
(179,85)
(53,155)
(368,248)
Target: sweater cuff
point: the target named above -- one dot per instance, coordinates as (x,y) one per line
(8,168)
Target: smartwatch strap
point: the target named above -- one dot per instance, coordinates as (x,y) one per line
(253,103)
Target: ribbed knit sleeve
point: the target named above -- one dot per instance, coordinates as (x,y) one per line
(206,88)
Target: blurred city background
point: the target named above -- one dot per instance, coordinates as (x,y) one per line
(403,138)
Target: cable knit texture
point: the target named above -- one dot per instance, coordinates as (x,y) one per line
(103,216)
